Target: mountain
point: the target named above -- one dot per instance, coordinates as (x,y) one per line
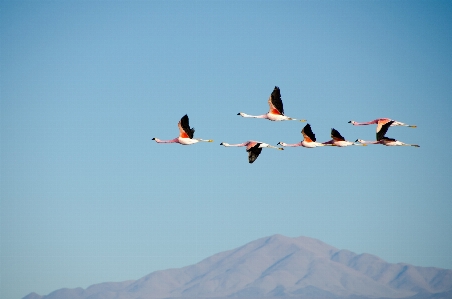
(279,267)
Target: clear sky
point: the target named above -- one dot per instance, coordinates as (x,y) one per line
(88,197)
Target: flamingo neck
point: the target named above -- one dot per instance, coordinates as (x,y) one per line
(239,144)
(175,140)
(253,116)
(369,142)
(355,123)
(292,144)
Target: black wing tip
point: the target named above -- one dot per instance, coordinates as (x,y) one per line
(335,133)
(308,131)
(384,129)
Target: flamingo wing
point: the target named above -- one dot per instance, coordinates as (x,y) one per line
(275,102)
(253,152)
(184,128)
(384,128)
(308,135)
(381,122)
(336,135)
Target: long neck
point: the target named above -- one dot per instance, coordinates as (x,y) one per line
(239,144)
(365,123)
(253,116)
(369,142)
(290,144)
(175,140)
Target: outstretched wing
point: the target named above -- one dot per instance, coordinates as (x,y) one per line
(384,128)
(308,135)
(253,152)
(336,135)
(184,128)
(275,102)
(381,122)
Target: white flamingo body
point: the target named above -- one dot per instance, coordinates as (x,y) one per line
(309,140)
(269,115)
(185,134)
(253,148)
(276,111)
(343,143)
(338,140)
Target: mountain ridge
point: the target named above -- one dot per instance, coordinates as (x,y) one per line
(278,266)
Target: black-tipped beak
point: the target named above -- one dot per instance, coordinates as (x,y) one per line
(221,143)
(238,113)
(153,138)
(279,143)
(350,122)
(356,140)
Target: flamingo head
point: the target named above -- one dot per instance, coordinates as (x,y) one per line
(360,141)
(224,144)
(352,122)
(240,113)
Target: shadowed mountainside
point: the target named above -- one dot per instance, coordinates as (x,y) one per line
(281,267)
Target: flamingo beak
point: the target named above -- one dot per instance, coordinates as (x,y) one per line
(350,122)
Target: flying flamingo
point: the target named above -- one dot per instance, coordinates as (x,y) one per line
(276,112)
(380,122)
(309,139)
(185,134)
(254,148)
(338,140)
(382,139)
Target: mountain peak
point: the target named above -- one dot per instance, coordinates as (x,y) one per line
(278,266)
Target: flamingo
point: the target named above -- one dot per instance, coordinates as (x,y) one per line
(254,148)
(338,140)
(276,112)
(380,122)
(309,139)
(185,134)
(382,139)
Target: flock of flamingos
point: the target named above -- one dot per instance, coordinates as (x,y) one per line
(276,113)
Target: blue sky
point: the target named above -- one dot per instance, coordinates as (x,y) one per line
(88,197)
